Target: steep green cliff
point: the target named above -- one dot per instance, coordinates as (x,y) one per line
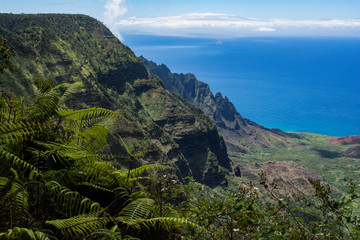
(240,134)
(77,48)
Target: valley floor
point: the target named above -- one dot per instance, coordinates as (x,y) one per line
(312,156)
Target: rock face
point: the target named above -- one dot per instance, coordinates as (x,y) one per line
(354,150)
(190,128)
(77,48)
(345,140)
(290,179)
(240,134)
(185,85)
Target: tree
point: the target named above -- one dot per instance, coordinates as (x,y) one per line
(5,54)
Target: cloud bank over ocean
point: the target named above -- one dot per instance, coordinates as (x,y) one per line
(228,26)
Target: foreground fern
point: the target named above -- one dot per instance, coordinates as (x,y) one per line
(80,225)
(53,174)
(24,233)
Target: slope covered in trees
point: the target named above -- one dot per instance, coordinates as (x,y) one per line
(79,49)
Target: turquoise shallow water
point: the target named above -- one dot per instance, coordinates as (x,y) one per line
(295,84)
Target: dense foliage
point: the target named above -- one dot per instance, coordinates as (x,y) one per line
(56,183)
(54,180)
(77,48)
(5,54)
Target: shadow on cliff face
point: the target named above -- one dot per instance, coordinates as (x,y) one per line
(123,73)
(327,154)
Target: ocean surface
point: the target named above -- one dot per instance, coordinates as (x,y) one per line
(294,84)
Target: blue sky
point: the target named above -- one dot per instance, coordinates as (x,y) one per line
(209,18)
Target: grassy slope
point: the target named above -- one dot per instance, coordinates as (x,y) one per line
(312,156)
(313,153)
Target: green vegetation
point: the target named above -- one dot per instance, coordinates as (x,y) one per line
(313,153)
(83,50)
(56,183)
(54,180)
(243,214)
(5,53)
(71,168)
(79,49)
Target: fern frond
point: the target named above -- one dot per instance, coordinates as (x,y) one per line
(75,203)
(3,183)
(17,162)
(140,170)
(12,132)
(106,234)
(84,123)
(94,139)
(44,107)
(71,88)
(17,194)
(135,211)
(20,196)
(57,146)
(52,151)
(24,233)
(125,146)
(142,153)
(11,110)
(80,225)
(94,168)
(43,85)
(176,222)
(84,114)
(95,187)
(138,179)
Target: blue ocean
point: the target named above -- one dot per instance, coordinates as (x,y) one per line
(294,84)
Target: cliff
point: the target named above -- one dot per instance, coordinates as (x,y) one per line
(240,134)
(78,48)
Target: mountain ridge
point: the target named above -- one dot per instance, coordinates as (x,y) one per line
(76,48)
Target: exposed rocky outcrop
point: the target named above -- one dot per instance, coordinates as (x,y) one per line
(185,85)
(345,140)
(77,48)
(354,150)
(193,131)
(289,178)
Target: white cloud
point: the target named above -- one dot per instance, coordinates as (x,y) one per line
(114,10)
(225,25)
(265,29)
